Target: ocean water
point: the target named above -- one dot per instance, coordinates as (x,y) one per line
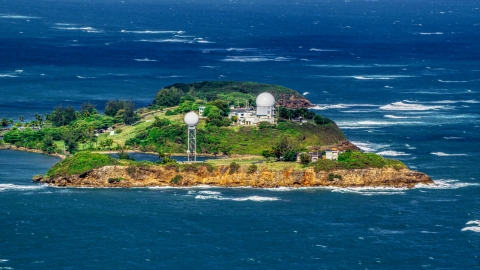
(401,78)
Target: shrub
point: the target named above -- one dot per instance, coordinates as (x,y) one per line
(305,159)
(234,167)
(359,160)
(325,165)
(332,177)
(175,180)
(80,163)
(252,168)
(115,180)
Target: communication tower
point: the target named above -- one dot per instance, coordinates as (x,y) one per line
(191,120)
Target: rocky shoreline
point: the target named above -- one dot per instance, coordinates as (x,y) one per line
(162,176)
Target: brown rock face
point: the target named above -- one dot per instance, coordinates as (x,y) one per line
(292,102)
(122,176)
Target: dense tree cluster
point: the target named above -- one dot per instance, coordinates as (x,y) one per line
(122,111)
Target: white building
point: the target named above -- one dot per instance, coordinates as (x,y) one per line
(332,154)
(265,111)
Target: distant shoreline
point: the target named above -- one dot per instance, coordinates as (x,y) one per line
(23,149)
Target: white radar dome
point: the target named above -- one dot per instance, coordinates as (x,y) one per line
(191,119)
(265,100)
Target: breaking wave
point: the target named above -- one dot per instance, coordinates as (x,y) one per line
(401,106)
(5,187)
(442,154)
(472,228)
(83,29)
(392,153)
(446,184)
(369,191)
(323,50)
(401,117)
(241,199)
(245,59)
(11,16)
(153,32)
(146,60)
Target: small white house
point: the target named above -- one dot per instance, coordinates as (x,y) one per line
(332,154)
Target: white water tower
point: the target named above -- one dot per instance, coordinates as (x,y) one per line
(191,120)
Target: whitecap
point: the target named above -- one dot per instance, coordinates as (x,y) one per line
(392,153)
(83,29)
(401,117)
(18,71)
(83,77)
(11,16)
(152,32)
(454,138)
(322,50)
(471,101)
(472,228)
(240,49)
(146,60)
(442,154)
(339,106)
(305,93)
(7,76)
(342,66)
(168,40)
(264,58)
(401,106)
(4,187)
(209,192)
(371,191)
(446,184)
(442,81)
(430,33)
(250,198)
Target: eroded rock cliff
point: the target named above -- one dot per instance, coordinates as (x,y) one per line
(124,176)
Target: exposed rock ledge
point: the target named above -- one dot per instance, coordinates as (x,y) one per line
(123,176)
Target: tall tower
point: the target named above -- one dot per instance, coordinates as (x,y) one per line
(191,120)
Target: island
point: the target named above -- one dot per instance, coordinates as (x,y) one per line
(266,135)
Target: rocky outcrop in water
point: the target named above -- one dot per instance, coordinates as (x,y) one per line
(124,176)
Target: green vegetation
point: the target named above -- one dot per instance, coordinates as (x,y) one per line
(357,160)
(80,163)
(175,180)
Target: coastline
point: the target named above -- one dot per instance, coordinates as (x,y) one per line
(169,176)
(23,149)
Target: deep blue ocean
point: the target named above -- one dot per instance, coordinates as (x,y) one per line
(400,77)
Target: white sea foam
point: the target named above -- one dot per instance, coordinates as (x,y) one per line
(87,29)
(240,49)
(342,66)
(446,184)
(401,117)
(153,32)
(322,50)
(83,77)
(430,33)
(18,71)
(392,153)
(250,198)
(5,187)
(146,60)
(167,40)
(472,228)
(209,192)
(305,93)
(471,101)
(442,81)
(410,147)
(370,147)
(454,138)
(381,77)
(339,106)
(3,260)
(442,154)
(402,106)
(12,16)
(7,76)
(369,191)
(263,58)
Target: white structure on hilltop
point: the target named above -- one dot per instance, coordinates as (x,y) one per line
(191,120)
(265,111)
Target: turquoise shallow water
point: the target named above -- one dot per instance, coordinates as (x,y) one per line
(401,79)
